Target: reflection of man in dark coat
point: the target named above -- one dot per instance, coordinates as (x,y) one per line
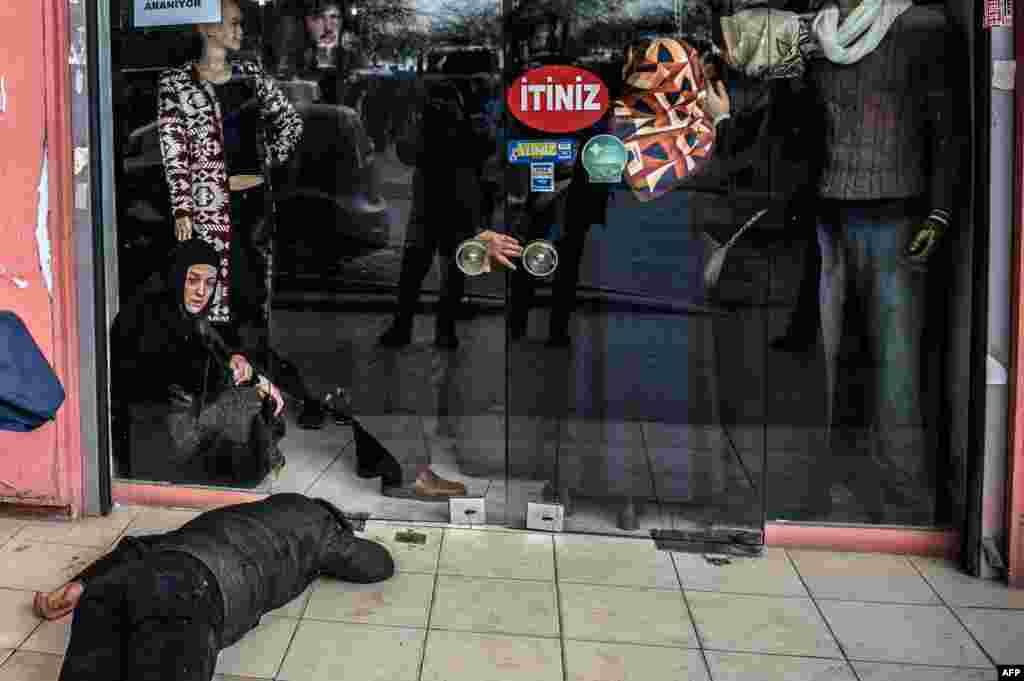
(186,407)
(449,154)
(163,606)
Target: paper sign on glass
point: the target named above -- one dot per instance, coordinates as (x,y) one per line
(176,12)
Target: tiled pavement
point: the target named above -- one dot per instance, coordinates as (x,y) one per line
(500,605)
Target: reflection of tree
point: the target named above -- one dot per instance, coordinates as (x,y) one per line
(383,26)
(460,22)
(550,25)
(579,26)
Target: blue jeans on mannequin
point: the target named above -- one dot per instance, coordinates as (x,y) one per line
(872,316)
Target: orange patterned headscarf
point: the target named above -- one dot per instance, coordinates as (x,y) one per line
(667,134)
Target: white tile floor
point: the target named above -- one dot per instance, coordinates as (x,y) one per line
(490,604)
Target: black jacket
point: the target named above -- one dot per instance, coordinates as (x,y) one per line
(263,554)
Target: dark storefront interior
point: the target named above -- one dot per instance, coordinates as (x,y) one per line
(670,373)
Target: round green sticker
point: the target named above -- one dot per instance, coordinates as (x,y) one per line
(604,158)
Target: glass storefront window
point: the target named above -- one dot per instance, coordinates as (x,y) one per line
(744,320)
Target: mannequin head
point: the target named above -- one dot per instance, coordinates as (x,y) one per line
(225,36)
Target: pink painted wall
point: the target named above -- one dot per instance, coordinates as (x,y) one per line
(42,467)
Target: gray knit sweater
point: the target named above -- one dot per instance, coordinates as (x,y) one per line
(889,117)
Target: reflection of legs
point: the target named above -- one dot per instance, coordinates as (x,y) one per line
(453,286)
(804,321)
(417,257)
(249,294)
(566,281)
(521,300)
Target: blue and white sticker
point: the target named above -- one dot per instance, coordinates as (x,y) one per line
(542,177)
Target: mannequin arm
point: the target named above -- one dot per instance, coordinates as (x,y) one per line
(946,148)
(174,147)
(285,123)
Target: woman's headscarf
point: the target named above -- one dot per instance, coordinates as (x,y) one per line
(185,255)
(660,119)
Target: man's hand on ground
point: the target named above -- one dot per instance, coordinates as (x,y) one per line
(58,603)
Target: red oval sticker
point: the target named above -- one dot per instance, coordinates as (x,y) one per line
(558,98)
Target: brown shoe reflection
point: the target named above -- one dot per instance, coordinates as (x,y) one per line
(429,486)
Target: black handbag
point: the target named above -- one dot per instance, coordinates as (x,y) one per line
(30,392)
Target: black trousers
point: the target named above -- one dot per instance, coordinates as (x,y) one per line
(570,255)
(440,219)
(249,258)
(251,272)
(145,617)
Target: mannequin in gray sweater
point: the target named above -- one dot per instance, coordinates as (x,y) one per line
(885,196)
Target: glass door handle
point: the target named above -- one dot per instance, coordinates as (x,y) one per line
(540,257)
(471,257)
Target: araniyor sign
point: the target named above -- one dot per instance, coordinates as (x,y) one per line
(176,12)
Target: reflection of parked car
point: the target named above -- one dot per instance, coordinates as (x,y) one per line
(464,60)
(327,195)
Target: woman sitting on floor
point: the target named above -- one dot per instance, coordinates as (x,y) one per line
(186,408)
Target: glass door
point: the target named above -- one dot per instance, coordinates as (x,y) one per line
(637,367)
(391,363)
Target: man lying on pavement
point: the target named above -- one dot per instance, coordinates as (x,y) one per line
(163,606)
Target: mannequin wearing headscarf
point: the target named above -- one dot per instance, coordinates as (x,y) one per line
(182,399)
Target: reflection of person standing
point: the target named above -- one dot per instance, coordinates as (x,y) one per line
(211,116)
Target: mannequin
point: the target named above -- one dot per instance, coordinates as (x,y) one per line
(217,185)
(876,234)
(885,198)
(217,180)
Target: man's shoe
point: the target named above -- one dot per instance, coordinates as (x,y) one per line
(398,335)
(312,416)
(431,485)
(428,487)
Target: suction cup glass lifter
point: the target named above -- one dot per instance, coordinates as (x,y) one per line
(470,257)
(540,257)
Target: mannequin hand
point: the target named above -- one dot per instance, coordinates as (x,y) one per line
(500,248)
(241,370)
(183,228)
(267,389)
(716,104)
(926,239)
